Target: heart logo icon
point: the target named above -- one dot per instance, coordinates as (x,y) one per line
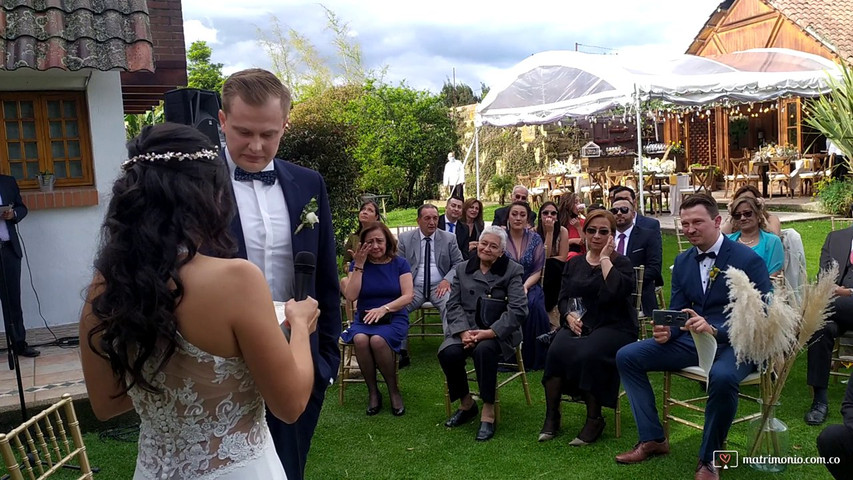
(725,458)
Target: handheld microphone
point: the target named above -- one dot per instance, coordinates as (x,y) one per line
(303,268)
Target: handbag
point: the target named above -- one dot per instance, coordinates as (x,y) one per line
(383,320)
(489,311)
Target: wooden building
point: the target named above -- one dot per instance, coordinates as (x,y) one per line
(820,27)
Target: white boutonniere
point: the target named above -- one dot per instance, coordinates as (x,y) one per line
(309,216)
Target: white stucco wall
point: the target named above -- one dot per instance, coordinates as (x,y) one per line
(60,243)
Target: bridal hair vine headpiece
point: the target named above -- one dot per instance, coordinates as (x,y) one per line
(169,156)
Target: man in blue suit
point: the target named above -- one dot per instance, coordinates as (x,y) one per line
(698,288)
(282,209)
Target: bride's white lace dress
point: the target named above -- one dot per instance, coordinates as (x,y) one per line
(208,422)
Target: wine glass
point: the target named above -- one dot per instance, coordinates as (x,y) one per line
(576,307)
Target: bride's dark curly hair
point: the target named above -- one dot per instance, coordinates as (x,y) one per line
(159,210)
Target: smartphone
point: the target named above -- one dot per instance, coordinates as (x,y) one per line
(5,208)
(670,318)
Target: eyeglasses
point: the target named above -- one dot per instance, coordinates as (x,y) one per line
(622,210)
(746,214)
(521,198)
(601,231)
(550,213)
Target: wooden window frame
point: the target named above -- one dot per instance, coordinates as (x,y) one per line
(40,100)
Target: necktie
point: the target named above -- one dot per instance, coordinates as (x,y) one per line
(266,176)
(702,256)
(427,254)
(621,246)
(452,227)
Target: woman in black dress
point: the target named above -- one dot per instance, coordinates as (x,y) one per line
(581,359)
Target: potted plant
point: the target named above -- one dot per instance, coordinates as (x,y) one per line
(46,179)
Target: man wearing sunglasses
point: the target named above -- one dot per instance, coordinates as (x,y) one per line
(642,246)
(622,192)
(519,194)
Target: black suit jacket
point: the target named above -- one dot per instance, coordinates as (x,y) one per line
(461,232)
(11,195)
(645,248)
(299,185)
(836,248)
(502,214)
(652,224)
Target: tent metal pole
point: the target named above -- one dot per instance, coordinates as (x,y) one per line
(477,157)
(642,204)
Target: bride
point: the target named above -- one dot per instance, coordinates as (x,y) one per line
(191,342)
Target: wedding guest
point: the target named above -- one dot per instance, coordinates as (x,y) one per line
(526,248)
(837,440)
(367,213)
(381,282)
(836,250)
(473,217)
(774,225)
(189,341)
(555,237)
(571,217)
(11,254)
(581,358)
(452,222)
(752,232)
(704,297)
(519,194)
(641,246)
(489,273)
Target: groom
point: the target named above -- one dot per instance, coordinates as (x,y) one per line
(273,199)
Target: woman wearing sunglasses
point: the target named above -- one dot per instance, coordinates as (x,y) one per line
(747,216)
(581,359)
(556,239)
(774,226)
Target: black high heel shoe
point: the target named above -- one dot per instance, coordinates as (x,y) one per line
(398,412)
(371,411)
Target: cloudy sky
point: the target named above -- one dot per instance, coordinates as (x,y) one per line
(423,42)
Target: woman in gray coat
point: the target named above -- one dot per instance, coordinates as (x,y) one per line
(489,272)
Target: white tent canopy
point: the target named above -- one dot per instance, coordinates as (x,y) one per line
(549,86)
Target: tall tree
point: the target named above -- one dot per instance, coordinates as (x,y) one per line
(201,72)
(457,95)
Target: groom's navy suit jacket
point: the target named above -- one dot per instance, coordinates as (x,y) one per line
(687,285)
(299,185)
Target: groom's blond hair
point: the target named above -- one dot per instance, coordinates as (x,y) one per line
(255,86)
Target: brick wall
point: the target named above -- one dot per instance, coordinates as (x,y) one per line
(167,30)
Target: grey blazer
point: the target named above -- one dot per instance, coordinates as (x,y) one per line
(445,250)
(471,284)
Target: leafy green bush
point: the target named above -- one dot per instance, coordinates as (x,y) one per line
(502,185)
(835,196)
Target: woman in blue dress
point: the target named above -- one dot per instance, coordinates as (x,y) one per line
(747,213)
(381,282)
(526,247)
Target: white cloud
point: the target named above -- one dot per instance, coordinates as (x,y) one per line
(194,31)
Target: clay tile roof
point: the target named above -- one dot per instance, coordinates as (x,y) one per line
(75,34)
(829,21)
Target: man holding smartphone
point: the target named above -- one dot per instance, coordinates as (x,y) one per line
(698,289)
(10,254)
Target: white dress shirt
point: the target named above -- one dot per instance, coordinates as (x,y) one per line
(454,173)
(434,275)
(447,224)
(707,264)
(266,230)
(4,229)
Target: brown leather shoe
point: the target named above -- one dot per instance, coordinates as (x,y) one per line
(643,450)
(706,471)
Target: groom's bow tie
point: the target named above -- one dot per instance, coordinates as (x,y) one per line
(267,176)
(702,256)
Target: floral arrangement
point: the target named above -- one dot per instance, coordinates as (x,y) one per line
(559,168)
(773,150)
(771,334)
(654,165)
(676,147)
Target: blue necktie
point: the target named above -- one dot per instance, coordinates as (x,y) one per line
(266,176)
(452,226)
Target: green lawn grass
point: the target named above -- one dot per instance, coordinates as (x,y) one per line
(349,444)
